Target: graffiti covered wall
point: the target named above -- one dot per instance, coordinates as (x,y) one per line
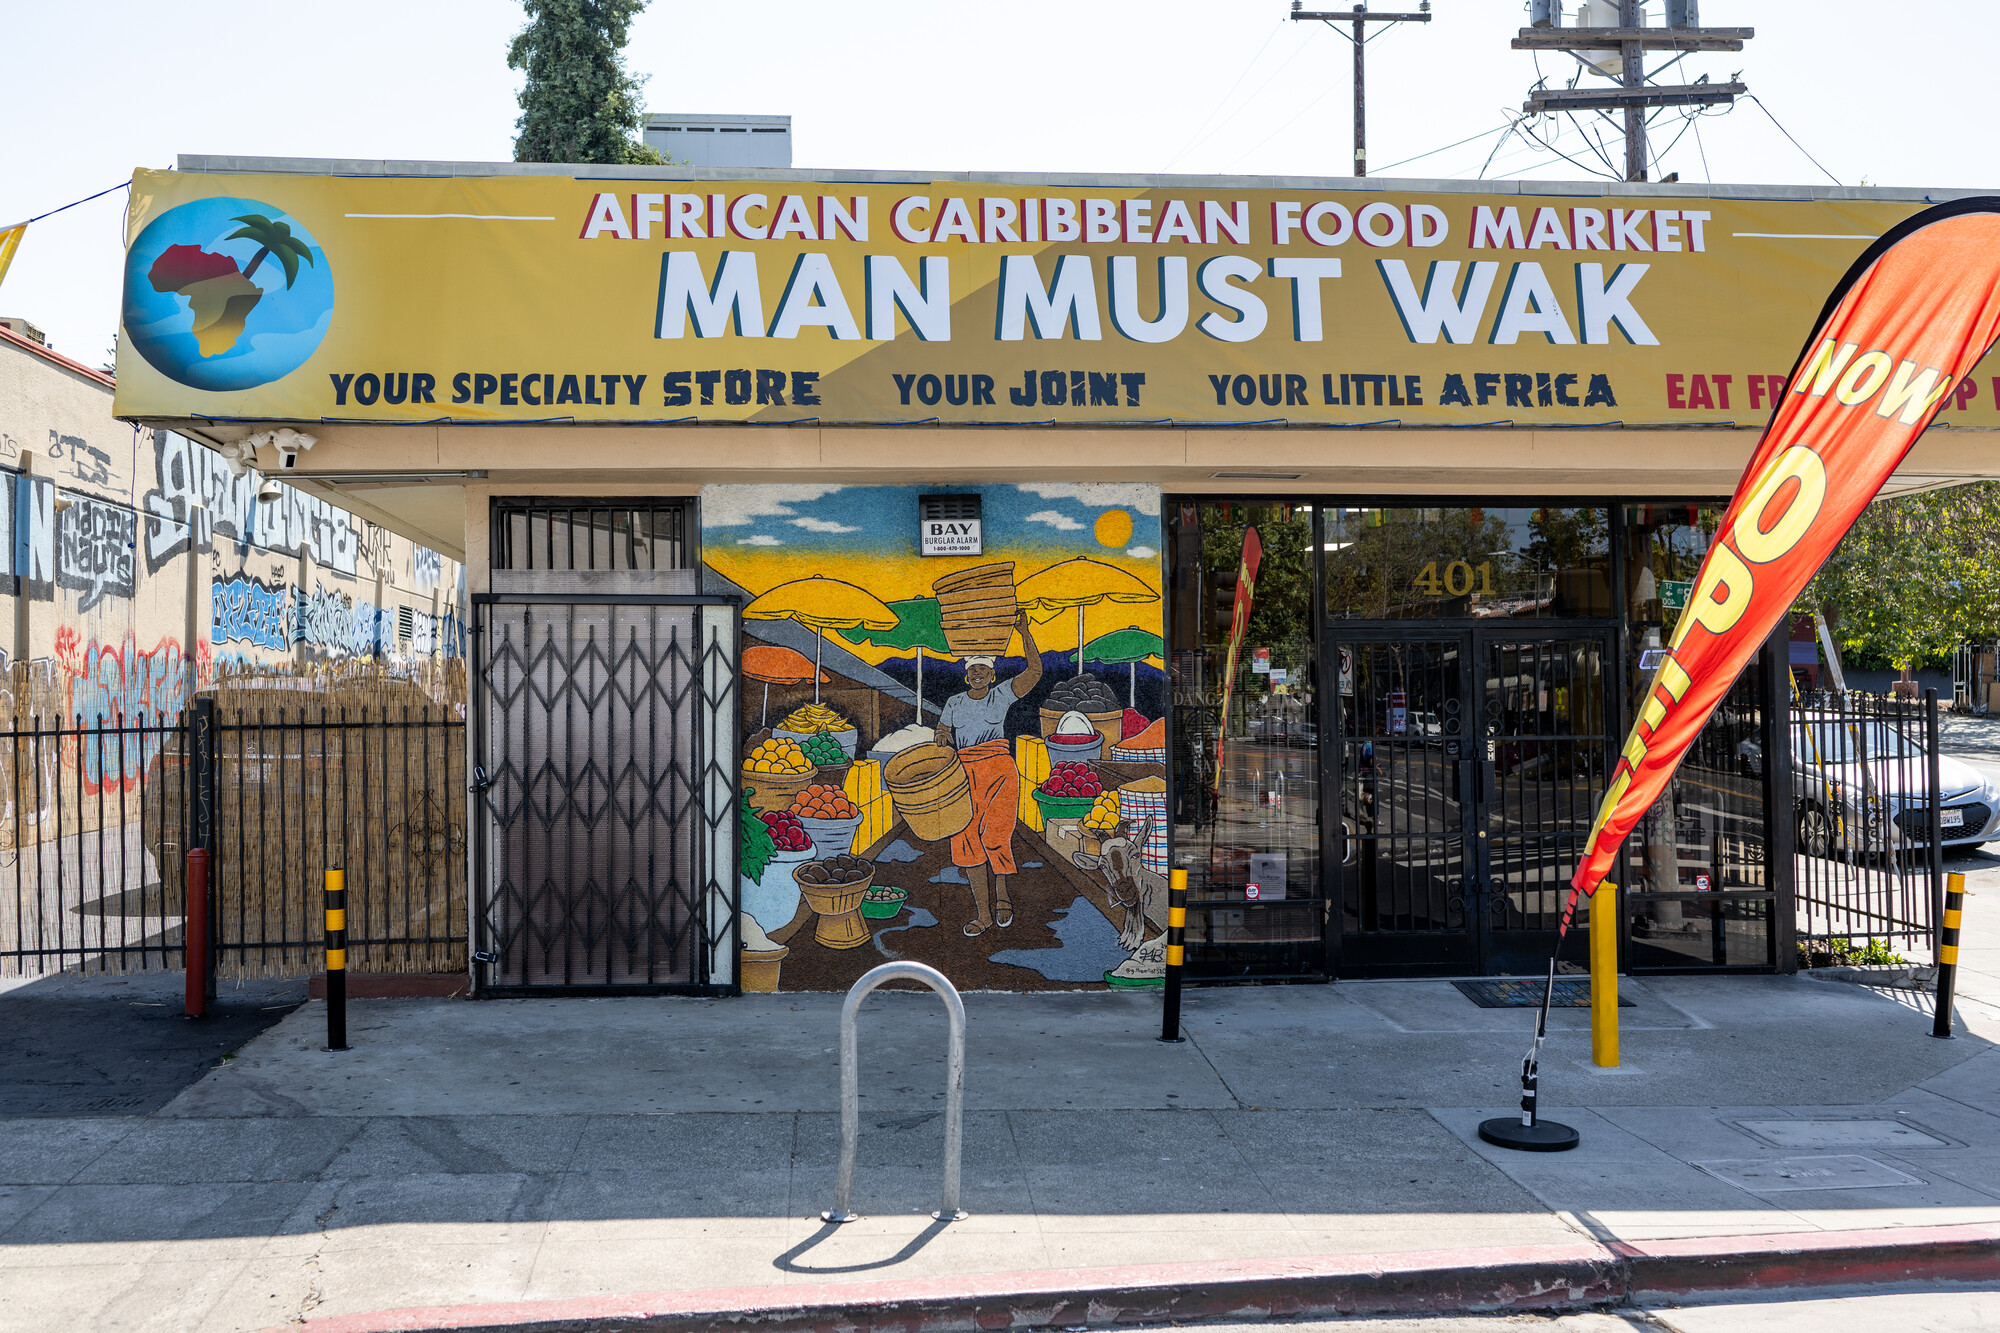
(953,758)
(132,563)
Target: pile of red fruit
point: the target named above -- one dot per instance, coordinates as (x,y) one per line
(786,831)
(1073,779)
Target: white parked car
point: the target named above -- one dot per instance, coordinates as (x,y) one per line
(1847,806)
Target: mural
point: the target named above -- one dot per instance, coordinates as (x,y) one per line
(956,759)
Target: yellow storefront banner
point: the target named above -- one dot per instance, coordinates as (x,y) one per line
(536,298)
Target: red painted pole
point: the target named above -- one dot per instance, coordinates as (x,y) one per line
(196,932)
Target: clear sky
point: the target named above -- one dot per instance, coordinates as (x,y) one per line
(1881,92)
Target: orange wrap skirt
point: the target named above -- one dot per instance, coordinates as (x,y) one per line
(996,808)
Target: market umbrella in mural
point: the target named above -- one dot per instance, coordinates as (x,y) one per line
(774,664)
(1078,583)
(821,604)
(1130,646)
(919,625)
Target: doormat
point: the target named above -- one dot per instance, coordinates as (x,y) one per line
(1526,993)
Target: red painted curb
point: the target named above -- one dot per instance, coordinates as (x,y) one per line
(1539,1277)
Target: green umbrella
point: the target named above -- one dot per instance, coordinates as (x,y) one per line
(1125,645)
(919,625)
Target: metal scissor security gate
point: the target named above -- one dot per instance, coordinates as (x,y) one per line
(605,774)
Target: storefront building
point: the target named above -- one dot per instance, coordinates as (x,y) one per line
(856,564)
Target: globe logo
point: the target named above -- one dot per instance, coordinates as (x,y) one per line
(225,294)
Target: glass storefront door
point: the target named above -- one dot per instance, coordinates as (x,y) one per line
(1468,765)
(1406,739)
(1545,727)
(1472,670)
(1246,754)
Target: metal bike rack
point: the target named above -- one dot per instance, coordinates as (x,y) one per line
(850,1078)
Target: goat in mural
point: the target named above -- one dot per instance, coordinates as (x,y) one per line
(1129,883)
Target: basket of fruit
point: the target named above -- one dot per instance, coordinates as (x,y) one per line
(818,720)
(833,888)
(1069,792)
(770,896)
(779,770)
(883,901)
(826,755)
(828,818)
(1100,822)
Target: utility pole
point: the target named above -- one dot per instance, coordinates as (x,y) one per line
(1360,17)
(1631,39)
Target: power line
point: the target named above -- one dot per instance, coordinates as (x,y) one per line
(1581,166)
(1224,100)
(1245,104)
(1788,134)
(1447,148)
(1281,129)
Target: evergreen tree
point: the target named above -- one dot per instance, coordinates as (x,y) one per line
(580,104)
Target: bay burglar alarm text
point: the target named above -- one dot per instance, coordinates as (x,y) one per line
(948,525)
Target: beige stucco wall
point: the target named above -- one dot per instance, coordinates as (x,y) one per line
(450,512)
(113,598)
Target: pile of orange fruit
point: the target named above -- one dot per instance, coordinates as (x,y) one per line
(820,801)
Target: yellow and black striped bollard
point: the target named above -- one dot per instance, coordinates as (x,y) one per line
(336,960)
(1170,1014)
(1947,973)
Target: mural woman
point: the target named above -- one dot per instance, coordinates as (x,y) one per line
(975,724)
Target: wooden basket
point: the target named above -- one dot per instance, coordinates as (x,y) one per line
(931,791)
(775,791)
(977,608)
(772,791)
(757,969)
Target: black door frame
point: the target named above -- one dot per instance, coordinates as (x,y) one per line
(1476,950)
(1778,779)
(1526,951)
(706,927)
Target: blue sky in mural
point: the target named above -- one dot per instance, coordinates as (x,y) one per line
(1057,516)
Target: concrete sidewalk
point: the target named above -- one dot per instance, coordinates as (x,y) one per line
(572,1150)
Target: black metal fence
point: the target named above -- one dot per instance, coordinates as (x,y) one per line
(99,817)
(1873,817)
(81,807)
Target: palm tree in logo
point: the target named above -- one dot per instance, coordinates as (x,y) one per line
(276,239)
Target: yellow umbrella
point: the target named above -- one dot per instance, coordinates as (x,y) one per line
(821,604)
(1078,583)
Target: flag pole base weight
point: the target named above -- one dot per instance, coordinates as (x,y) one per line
(1507,1131)
(829,1215)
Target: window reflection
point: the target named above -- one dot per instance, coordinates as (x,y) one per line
(1246,780)
(1404,564)
(1704,837)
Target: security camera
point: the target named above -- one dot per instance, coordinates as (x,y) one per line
(270,491)
(288,442)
